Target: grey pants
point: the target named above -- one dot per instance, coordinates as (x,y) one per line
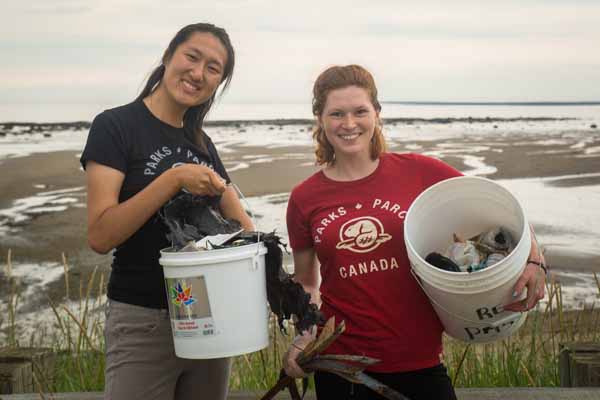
(141,361)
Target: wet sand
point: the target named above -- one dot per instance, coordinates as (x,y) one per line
(47,236)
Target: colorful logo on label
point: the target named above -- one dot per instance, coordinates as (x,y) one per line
(182,295)
(362,235)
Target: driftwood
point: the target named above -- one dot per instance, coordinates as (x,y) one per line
(349,367)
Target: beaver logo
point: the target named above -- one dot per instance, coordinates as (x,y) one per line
(362,235)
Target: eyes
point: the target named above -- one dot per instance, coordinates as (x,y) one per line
(359,112)
(212,67)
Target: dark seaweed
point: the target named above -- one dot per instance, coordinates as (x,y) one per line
(190,218)
(285,297)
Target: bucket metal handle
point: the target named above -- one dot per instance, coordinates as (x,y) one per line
(255,262)
(493,324)
(243,198)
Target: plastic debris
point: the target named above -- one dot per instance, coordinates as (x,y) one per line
(463,253)
(498,240)
(479,252)
(494,258)
(214,241)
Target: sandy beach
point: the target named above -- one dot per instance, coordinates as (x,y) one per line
(58,225)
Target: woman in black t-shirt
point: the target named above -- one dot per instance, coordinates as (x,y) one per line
(137,157)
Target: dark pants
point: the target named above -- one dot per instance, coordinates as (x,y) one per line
(424,384)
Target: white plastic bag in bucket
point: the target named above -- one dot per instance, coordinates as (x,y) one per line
(469,305)
(217,300)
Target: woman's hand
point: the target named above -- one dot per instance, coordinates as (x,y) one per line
(300,342)
(199,180)
(534,278)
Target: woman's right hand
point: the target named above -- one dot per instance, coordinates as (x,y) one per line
(299,343)
(199,180)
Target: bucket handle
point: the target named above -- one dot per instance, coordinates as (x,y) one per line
(493,324)
(243,198)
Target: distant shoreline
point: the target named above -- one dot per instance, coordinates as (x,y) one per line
(496,103)
(41,127)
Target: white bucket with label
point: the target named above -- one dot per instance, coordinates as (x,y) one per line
(217,300)
(469,305)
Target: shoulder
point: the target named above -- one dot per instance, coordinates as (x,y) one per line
(414,160)
(208,141)
(406,157)
(118,116)
(306,189)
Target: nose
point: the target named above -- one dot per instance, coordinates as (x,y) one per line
(348,122)
(197,72)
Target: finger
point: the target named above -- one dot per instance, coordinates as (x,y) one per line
(210,187)
(296,371)
(219,184)
(517,306)
(291,367)
(532,292)
(520,285)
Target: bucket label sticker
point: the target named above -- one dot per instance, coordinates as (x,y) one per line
(189,307)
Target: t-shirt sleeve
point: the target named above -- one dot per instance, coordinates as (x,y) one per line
(434,170)
(297,226)
(218,164)
(105,144)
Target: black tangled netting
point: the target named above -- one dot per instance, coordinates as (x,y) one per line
(190,218)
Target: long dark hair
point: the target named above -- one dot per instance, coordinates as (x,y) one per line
(194,116)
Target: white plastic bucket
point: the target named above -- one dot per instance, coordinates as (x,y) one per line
(217,301)
(469,305)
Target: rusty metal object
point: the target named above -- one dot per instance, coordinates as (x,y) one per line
(348,367)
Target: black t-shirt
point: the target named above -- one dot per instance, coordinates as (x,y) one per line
(132,140)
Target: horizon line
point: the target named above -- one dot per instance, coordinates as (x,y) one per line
(495,103)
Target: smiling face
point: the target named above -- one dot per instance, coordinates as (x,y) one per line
(349,120)
(195,70)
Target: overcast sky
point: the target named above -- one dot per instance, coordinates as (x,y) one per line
(94,51)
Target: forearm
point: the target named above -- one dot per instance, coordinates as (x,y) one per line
(231,208)
(315,294)
(306,273)
(118,222)
(535,254)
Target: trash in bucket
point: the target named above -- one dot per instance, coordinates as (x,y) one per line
(469,305)
(190,218)
(219,282)
(217,300)
(482,251)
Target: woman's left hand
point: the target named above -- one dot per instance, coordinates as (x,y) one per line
(534,278)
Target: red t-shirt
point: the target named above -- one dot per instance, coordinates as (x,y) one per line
(357,231)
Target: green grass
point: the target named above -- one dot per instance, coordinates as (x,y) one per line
(528,358)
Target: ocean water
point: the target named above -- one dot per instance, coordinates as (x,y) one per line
(226,111)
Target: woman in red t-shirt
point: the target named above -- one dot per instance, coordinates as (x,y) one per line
(345,226)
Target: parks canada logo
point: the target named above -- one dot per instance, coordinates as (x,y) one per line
(362,234)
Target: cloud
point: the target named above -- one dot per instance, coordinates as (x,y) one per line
(426,50)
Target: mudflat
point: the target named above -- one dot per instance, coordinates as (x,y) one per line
(47,235)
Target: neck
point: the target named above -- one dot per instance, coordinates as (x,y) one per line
(351,169)
(164,108)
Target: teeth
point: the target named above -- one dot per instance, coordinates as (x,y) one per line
(190,86)
(349,137)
